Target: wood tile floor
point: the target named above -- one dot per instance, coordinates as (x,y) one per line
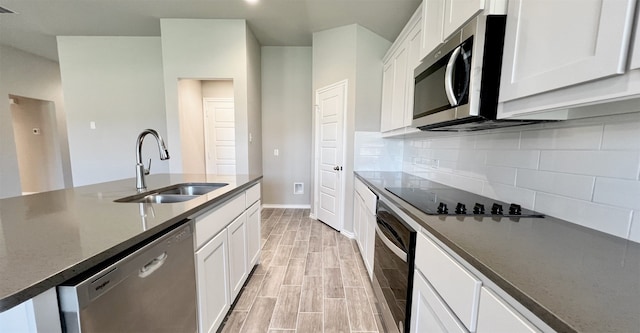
(310,279)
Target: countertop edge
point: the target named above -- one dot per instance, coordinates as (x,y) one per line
(537,309)
(60,277)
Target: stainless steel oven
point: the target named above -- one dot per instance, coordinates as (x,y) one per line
(393,264)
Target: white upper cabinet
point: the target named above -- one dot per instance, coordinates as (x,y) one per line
(400,83)
(635,53)
(414,45)
(387,96)
(555,44)
(432,26)
(458,12)
(397,78)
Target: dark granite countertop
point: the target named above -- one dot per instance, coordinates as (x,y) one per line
(50,237)
(571,277)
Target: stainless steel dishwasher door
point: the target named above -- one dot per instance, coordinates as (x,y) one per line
(151,290)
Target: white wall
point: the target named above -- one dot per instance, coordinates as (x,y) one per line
(209,50)
(191,126)
(583,171)
(254,103)
(27,75)
(286,124)
(352,53)
(117,83)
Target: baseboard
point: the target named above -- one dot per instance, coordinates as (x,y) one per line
(312,216)
(286,206)
(348,234)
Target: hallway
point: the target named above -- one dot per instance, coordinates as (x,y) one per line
(311,279)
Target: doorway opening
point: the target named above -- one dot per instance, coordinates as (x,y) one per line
(37,144)
(207,126)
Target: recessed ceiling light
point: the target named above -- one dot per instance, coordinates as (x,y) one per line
(252,2)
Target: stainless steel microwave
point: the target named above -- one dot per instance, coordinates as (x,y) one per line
(456,86)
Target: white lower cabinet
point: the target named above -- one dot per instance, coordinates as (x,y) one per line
(238,268)
(364,208)
(429,313)
(496,316)
(448,297)
(253,235)
(214,297)
(228,246)
(37,315)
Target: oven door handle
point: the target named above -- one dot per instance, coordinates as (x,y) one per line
(396,250)
(448,77)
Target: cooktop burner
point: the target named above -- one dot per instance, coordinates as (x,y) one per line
(451,201)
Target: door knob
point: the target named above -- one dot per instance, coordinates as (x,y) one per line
(337,168)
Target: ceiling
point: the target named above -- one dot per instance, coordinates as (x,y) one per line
(274,22)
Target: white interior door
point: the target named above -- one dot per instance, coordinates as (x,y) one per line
(331,107)
(220,136)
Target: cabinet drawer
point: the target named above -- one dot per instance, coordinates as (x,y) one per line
(253,195)
(209,224)
(496,316)
(458,287)
(370,199)
(429,312)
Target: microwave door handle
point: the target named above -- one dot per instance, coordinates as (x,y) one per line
(396,250)
(448,77)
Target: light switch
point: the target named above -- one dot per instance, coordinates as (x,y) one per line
(276,152)
(92,124)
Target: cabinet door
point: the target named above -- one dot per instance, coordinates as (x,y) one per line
(356,216)
(370,239)
(213,283)
(253,235)
(387,96)
(432,25)
(458,12)
(237,232)
(555,44)
(635,44)
(414,48)
(428,312)
(399,101)
(495,316)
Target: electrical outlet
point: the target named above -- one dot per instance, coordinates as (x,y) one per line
(276,152)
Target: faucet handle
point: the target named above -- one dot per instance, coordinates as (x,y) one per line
(147,170)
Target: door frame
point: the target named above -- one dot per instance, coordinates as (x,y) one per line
(205,123)
(344,84)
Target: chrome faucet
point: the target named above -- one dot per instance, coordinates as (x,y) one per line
(141,171)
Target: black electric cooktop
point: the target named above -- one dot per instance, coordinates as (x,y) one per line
(452,201)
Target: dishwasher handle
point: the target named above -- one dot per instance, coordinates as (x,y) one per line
(152,265)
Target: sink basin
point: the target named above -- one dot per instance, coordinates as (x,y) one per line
(192,188)
(174,193)
(164,198)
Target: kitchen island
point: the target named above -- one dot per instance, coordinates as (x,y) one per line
(572,278)
(50,237)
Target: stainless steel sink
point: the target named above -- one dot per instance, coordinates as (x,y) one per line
(174,193)
(192,188)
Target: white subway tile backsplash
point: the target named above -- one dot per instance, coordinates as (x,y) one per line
(587,137)
(510,194)
(575,186)
(617,164)
(501,140)
(584,171)
(612,220)
(617,192)
(514,158)
(500,174)
(621,136)
(634,233)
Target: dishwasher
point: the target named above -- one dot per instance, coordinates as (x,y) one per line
(152,289)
